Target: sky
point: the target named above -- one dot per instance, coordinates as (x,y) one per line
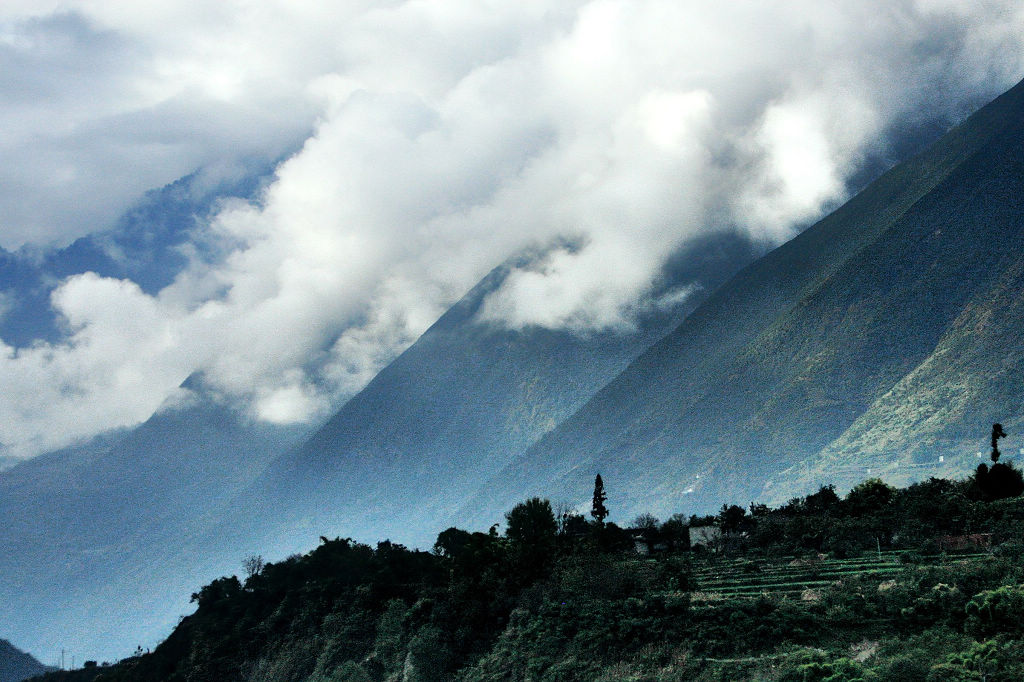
(414,146)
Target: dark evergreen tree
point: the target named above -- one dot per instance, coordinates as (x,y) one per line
(598,510)
(997,433)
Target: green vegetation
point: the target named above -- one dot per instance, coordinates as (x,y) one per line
(924,582)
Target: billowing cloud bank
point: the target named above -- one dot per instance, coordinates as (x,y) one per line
(441,137)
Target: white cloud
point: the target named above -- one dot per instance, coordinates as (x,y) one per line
(441,137)
(123,359)
(96,111)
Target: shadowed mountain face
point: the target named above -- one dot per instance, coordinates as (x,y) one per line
(884,336)
(16,665)
(451,411)
(770,372)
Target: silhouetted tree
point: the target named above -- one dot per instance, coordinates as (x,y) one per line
(575,526)
(999,481)
(1004,480)
(647,526)
(823,501)
(531,523)
(452,542)
(869,497)
(570,523)
(220,590)
(758,510)
(532,530)
(598,510)
(252,565)
(676,532)
(997,433)
(731,518)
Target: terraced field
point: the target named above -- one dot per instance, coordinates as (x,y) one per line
(798,577)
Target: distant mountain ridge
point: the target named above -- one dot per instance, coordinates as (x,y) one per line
(16,665)
(112,521)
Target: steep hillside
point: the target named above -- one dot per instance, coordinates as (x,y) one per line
(971,379)
(785,358)
(450,412)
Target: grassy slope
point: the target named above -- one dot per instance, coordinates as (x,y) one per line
(944,404)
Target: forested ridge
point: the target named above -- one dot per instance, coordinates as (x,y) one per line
(924,582)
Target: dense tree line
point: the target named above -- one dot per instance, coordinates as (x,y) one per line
(558,597)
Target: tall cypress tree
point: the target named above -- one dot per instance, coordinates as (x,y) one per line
(997,433)
(598,510)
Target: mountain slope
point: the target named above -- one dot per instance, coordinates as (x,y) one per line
(16,665)
(398,459)
(946,404)
(782,360)
(110,522)
(106,521)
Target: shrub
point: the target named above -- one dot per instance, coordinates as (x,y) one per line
(996,611)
